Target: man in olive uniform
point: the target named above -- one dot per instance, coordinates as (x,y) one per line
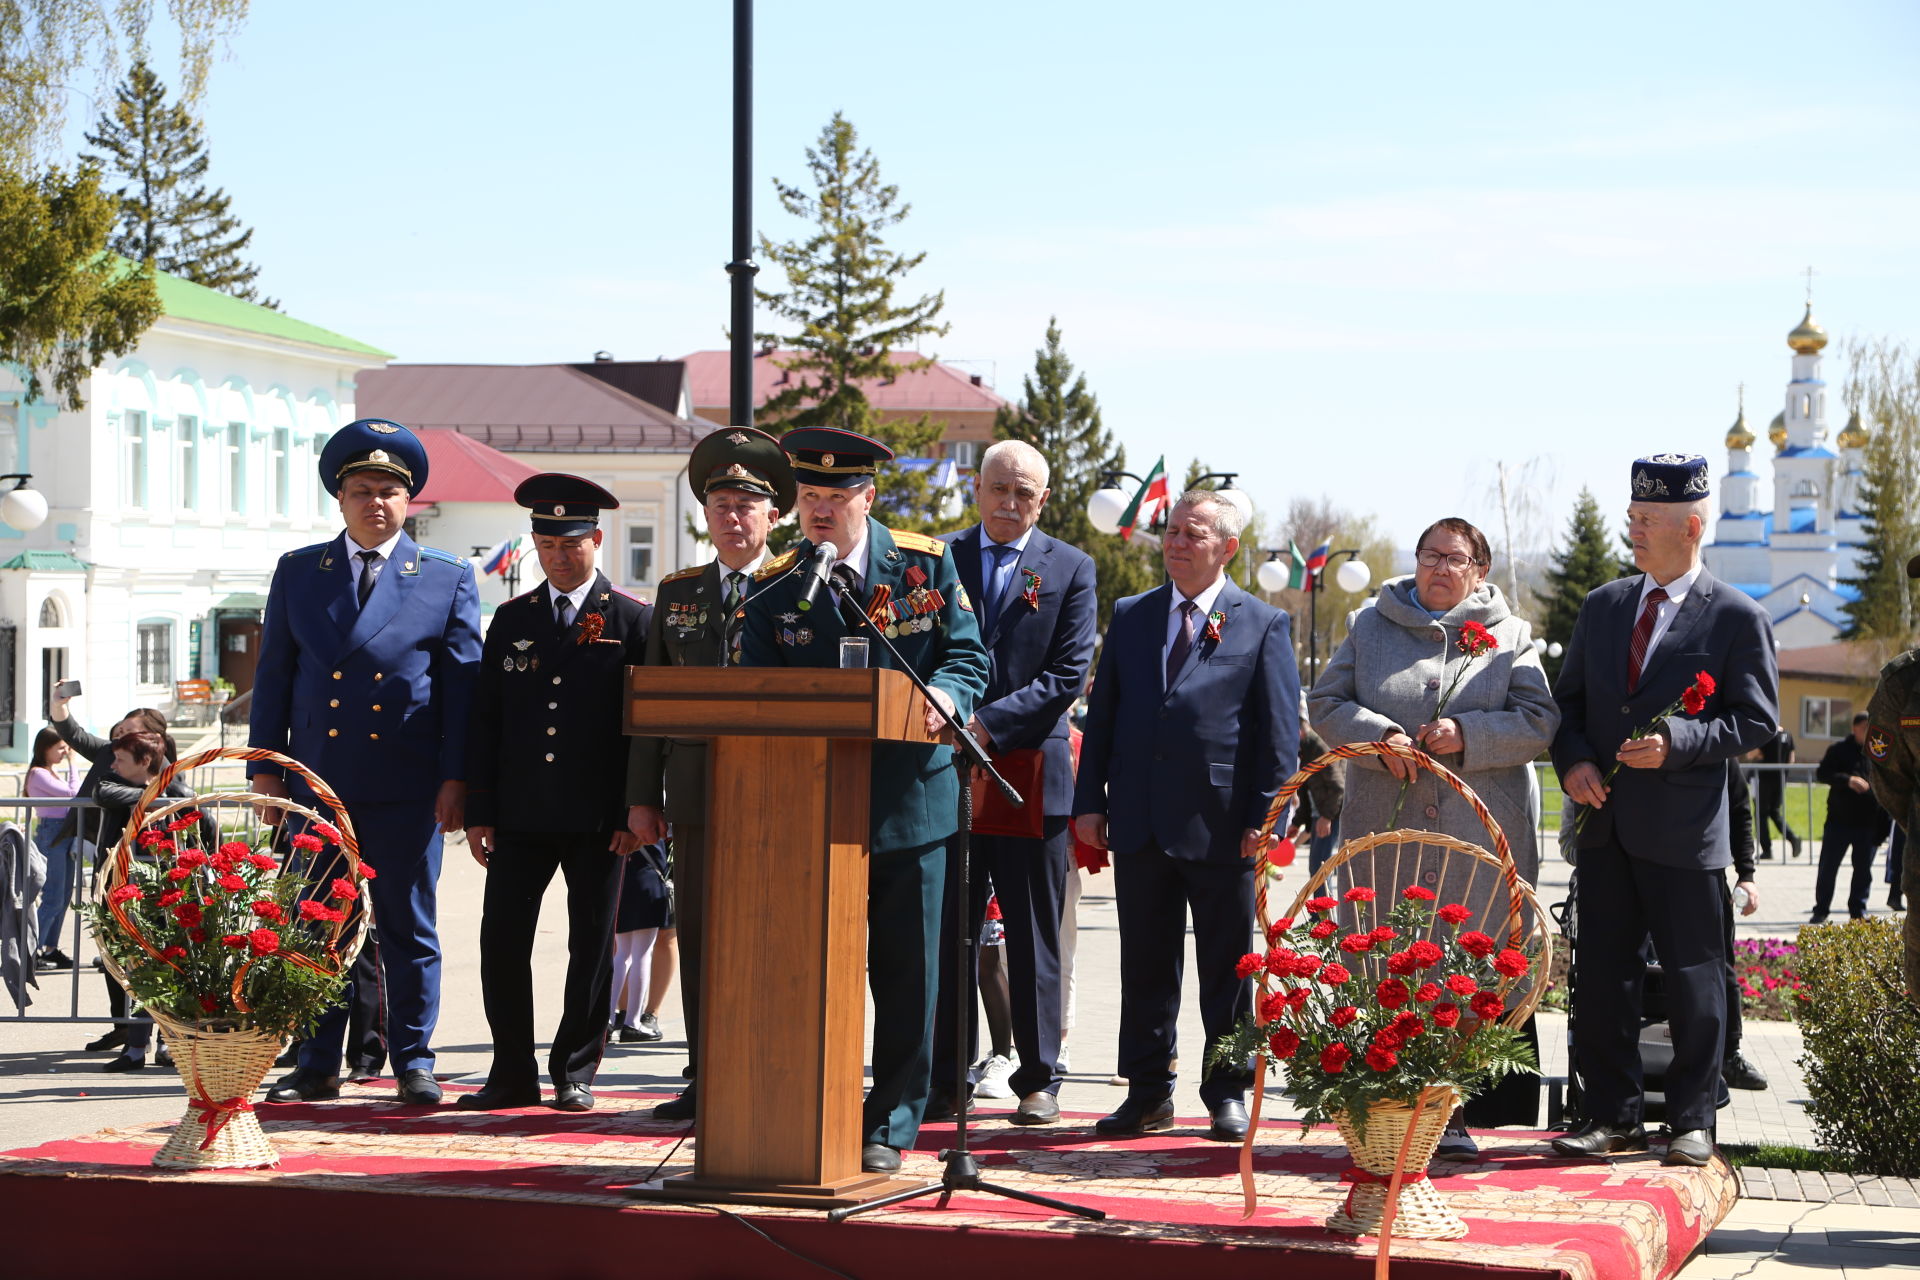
(907,583)
(546,791)
(744,484)
(1893,745)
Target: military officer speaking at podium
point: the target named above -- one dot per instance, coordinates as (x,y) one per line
(546,791)
(744,484)
(909,582)
(366,673)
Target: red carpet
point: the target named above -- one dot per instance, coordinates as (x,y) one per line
(431,1193)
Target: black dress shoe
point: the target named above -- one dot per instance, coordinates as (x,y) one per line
(676,1108)
(571,1095)
(115,1038)
(1740,1073)
(1136,1116)
(878,1157)
(1602,1140)
(126,1061)
(1689,1147)
(303,1085)
(1229,1121)
(163,1056)
(362,1072)
(52,958)
(499,1097)
(418,1088)
(1819,917)
(1037,1108)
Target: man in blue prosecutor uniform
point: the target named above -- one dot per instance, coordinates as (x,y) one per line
(1654,844)
(1192,727)
(1035,600)
(907,584)
(546,791)
(744,484)
(366,674)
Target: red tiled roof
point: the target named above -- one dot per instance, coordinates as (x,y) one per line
(461,469)
(1841,659)
(934,388)
(525,408)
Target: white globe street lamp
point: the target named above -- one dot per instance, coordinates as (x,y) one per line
(1273,574)
(1105,508)
(1353,576)
(23,508)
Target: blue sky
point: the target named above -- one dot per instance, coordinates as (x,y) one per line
(1362,251)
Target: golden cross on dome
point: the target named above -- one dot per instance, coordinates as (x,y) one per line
(1809,286)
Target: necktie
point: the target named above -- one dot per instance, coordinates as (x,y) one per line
(993,587)
(1182,642)
(736,587)
(1642,636)
(368,571)
(561,608)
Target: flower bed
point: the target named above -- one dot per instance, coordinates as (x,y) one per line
(1770,987)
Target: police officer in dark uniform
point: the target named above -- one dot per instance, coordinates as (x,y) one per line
(744,484)
(546,791)
(908,584)
(1893,746)
(366,673)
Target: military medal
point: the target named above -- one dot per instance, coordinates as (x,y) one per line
(519,664)
(506,663)
(914,577)
(803,636)
(789,618)
(523,645)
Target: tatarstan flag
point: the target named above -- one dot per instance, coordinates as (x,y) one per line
(1147,503)
(1306,568)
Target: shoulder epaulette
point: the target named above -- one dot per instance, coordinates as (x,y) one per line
(622,591)
(446,557)
(683,574)
(1901,663)
(525,596)
(313,550)
(778,565)
(921,542)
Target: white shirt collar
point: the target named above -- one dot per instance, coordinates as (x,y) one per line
(752,568)
(1018,544)
(1676,590)
(1204,600)
(576,597)
(385,549)
(856,559)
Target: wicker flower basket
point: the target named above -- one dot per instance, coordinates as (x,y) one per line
(222,1066)
(224,1061)
(1397,1143)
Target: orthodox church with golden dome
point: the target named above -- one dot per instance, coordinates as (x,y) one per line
(1791,554)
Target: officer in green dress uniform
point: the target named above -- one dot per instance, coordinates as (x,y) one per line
(907,583)
(1893,745)
(546,791)
(744,484)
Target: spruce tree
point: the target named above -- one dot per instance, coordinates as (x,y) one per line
(65,303)
(1060,417)
(168,214)
(1588,560)
(1886,607)
(846,323)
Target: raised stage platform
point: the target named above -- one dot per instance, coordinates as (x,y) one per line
(366,1186)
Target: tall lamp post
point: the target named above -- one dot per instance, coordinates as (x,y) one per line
(1352,577)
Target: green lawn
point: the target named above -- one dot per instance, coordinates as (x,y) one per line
(1806,806)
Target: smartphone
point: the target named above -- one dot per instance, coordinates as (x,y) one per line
(67,689)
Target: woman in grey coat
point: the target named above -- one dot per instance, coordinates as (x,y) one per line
(1385,683)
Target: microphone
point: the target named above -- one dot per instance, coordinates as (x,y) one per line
(814,573)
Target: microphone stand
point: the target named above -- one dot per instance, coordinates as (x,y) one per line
(960,1171)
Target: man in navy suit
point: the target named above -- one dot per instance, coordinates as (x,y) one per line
(366,672)
(1037,607)
(1654,846)
(1192,727)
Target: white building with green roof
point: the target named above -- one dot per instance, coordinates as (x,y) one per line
(171,495)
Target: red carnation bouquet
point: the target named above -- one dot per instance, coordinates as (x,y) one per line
(1692,701)
(231,935)
(1364,1013)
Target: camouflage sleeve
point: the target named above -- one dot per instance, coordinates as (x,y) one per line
(1890,743)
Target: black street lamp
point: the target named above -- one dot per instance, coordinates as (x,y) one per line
(1109,502)
(509,576)
(742,268)
(1353,576)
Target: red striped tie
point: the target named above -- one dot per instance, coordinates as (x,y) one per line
(1642,635)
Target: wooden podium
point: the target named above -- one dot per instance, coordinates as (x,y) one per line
(784,944)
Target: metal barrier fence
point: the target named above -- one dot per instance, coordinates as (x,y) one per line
(91,843)
(1801,809)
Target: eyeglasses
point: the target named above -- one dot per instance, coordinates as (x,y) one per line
(1433,560)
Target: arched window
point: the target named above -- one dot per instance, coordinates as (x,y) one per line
(50,613)
(1806,489)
